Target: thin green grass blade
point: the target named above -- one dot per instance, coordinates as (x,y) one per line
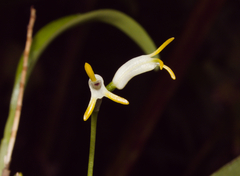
(230,169)
(48,33)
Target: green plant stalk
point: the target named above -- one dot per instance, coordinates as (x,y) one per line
(92,142)
(111,87)
(94,116)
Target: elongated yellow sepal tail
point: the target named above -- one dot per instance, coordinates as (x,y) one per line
(90,108)
(116,98)
(161,47)
(170,72)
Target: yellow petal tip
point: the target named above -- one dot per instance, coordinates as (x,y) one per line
(116,98)
(121,101)
(125,102)
(90,72)
(85,118)
(90,108)
(170,72)
(160,63)
(162,47)
(87,114)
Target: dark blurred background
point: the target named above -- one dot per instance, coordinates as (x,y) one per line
(190,126)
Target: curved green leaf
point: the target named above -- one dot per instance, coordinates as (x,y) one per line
(48,33)
(230,169)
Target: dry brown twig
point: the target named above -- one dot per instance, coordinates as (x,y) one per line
(7,158)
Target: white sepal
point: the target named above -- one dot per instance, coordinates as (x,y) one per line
(133,67)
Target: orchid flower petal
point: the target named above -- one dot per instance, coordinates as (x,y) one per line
(133,67)
(90,72)
(116,98)
(90,108)
(161,47)
(170,72)
(160,62)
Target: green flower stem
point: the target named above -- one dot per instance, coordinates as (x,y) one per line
(92,142)
(111,87)
(94,116)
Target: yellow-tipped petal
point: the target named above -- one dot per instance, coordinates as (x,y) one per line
(116,98)
(170,72)
(90,108)
(90,72)
(160,62)
(161,47)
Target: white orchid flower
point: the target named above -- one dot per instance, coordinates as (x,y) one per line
(98,91)
(139,65)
